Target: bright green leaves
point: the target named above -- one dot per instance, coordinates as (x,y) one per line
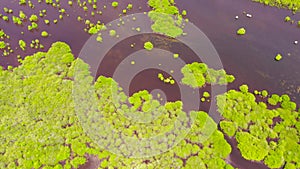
(17,20)
(206,94)
(166,18)
(197,75)
(262,134)
(144,101)
(96,28)
(194,162)
(278,57)
(38,117)
(77,161)
(287,19)
(44,34)
(164,6)
(228,127)
(165,24)
(169,80)
(37,101)
(63,153)
(244,88)
(264,93)
(194,74)
(22,44)
(33,18)
(290,4)
(284,101)
(214,147)
(274,99)
(241,31)
(22,2)
(112,33)
(2,44)
(252,148)
(148,45)
(22,15)
(114,4)
(275,159)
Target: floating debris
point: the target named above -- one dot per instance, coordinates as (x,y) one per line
(249,15)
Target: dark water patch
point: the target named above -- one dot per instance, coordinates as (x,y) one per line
(92,162)
(172,92)
(123,49)
(68,30)
(251,57)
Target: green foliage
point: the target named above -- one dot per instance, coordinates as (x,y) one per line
(22,44)
(264,93)
(47,21)
(176,55)
(2,34)
(274,99)
(129,6)
(289,4)
(33,18)
(17,20)
(169,80)
(229,127)
(22,15)
(244,88)
(241,31)
(35,118)
(166,17)
(5,18)
(77,161)
(262,134)
(287,18)
(22,2)
(2,45)
(206,94)
(148,45)
(33,26)
(112,33)
(165,24)
(275,159)
(197,75)
(96,28)
(251,148)
(44,34)
(41,128)
(278,57)
(114,4)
